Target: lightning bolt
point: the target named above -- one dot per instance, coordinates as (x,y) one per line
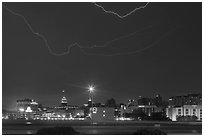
(116,14)
(90,47)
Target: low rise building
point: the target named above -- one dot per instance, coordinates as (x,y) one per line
(185,110)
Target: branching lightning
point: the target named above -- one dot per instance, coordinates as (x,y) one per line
(116,14)
(90,47)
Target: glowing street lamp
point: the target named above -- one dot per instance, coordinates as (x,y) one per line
(91,89)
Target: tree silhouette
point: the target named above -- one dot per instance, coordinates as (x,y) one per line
(111,103)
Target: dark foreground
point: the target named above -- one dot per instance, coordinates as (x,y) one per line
(102,128)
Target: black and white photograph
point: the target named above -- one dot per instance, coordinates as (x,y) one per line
(101,68)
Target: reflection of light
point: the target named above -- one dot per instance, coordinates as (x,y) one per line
(104,115)
(123,118)
(29,132)
(48,118)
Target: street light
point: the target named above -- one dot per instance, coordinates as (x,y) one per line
(91,89)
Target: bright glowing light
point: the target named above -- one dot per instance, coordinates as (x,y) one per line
(28,109)
(91,88)
(141,106)
(21,109)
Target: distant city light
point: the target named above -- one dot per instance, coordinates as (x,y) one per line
(21,109)
(28,109)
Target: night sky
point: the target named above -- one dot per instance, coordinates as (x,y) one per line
(157,49)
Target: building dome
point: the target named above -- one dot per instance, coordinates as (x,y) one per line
(63,100)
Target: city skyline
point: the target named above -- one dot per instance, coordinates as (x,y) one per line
(155,50)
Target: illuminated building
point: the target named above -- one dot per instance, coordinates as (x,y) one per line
(150,105)
(26,108)
(63,103)
(149,109)
(188,105)
(190,99)
(186,110)
(63,100)
(78,113)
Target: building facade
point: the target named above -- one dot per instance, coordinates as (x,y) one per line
(190,99)
(185,110)
(26,108)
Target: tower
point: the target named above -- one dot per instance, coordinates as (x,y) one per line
(63,100)
(90,102)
